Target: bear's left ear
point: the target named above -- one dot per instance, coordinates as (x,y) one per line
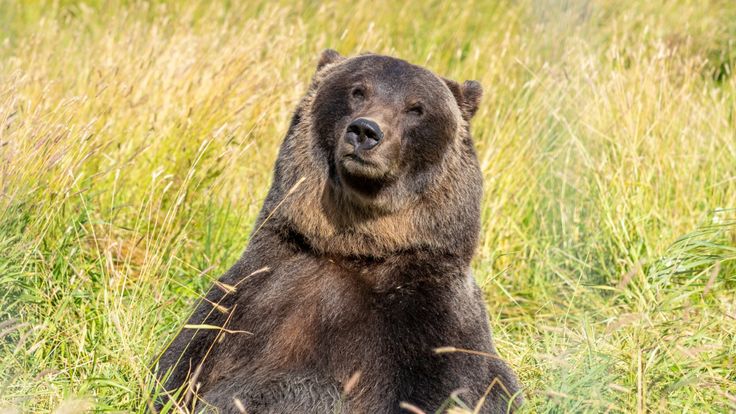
(467,95)
(327,57)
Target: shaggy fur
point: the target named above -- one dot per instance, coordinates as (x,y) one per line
(359,265)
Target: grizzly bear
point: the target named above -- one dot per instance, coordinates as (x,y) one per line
(355,293)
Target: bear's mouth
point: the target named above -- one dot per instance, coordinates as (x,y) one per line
(362,176)
(360,167)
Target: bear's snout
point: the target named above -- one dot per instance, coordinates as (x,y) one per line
(363,134)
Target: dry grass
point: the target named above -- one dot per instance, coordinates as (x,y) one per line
(137,141)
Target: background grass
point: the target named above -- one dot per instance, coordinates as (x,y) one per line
(137,141)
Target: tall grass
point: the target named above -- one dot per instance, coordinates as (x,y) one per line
(137,141)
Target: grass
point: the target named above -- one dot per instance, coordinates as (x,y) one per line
(137,141)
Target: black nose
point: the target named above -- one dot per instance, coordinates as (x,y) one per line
(363,134)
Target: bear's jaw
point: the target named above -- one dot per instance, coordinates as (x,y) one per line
(349,199)
(357,167)
(370,196)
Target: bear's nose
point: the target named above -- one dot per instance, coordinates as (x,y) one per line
(363,134)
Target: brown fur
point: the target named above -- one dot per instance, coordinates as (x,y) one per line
(368,260)
(334,230)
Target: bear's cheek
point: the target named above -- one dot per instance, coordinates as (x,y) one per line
(391,155)
(329,124)
(425,145)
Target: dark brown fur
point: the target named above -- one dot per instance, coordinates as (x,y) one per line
(356,267)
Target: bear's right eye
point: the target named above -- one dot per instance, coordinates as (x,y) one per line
(358,93)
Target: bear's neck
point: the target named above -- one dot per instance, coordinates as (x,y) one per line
(434,226)
(276,243)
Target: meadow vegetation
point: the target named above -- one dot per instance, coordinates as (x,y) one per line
(137,141)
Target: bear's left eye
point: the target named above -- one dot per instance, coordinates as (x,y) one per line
(415,110)
(358,93)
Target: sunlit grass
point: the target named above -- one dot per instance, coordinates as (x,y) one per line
(137,141)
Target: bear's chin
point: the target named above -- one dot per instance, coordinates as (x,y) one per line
(362,169)
(363,187)
(366,191)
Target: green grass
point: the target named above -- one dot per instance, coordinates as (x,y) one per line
(137,141)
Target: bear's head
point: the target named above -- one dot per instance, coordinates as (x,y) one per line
(379,159)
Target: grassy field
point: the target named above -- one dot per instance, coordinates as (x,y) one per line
(137,141)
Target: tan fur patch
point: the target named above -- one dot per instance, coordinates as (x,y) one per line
(294,340)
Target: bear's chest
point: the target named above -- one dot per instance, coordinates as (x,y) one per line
(319,317)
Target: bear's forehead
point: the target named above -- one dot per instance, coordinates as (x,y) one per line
(386,69)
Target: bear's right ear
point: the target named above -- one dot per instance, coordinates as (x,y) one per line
(466,95)
(327,57)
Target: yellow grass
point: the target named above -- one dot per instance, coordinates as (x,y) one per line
(137,141)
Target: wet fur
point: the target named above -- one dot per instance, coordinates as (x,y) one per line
(328,287)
